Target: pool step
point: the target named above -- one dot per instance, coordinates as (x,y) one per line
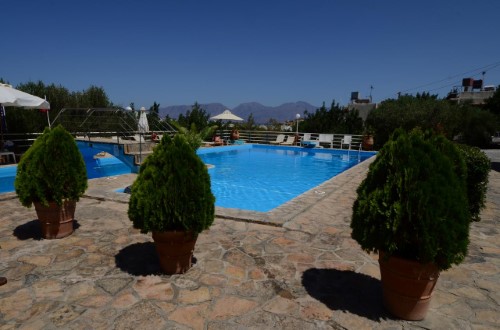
(139,151)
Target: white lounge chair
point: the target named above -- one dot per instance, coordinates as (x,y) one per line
(290,140)
(346,140)
(327,139)
(308,142)
(279,139)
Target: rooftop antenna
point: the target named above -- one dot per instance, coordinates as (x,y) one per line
(371,89)
(483,73)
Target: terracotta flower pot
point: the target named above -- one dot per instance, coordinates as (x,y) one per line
(407,286)
(175,250)
(56,220)
(368,142)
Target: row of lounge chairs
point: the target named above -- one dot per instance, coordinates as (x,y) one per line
(308,140)
(280,140)
(311,142)
(326,139)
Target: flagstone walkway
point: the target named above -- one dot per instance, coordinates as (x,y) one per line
(296,269)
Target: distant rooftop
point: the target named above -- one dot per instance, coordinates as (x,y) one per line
(471,91)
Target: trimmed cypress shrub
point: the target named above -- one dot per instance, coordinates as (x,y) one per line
(172,190)
(413,202)
(478,169)
(51,170)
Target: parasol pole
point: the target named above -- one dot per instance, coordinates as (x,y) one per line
(2,121)
(48,118)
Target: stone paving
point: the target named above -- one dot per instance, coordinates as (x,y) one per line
(293,268)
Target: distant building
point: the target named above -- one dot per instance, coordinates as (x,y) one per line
(472,92)
(364,106)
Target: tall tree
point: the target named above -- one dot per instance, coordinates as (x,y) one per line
(197,116)
(250,123)
(154,117)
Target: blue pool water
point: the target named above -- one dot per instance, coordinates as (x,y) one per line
(96,168)
(260,178)
(102,167)
(7,177)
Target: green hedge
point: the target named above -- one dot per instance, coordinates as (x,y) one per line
(172,190)
(51,170)
(413,202)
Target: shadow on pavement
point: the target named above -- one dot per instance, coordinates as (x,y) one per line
(356,293)
(33,230)
(139,259)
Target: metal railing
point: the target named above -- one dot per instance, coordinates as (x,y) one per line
(107,122)
(266,137)
(81,122)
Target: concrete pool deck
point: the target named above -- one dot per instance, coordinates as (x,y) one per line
(295,267)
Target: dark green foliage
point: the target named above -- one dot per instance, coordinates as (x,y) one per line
(478,168)
(192,135)
(194,126)
(52,169)
(462,122)
(59,97)
(412,203)
(172,190)
(197,116)
(337,120)
(407,112)
(493,103)
(475,126)
(154,117)
(250,123)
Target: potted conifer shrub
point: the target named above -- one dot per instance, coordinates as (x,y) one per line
(412,209)
(52,176)
(368,139)
(478,168)
(172,198)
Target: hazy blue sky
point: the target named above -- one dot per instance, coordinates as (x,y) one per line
(271,52)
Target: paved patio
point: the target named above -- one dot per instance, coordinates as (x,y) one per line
(293,268)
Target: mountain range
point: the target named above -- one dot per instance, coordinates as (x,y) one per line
(261,113)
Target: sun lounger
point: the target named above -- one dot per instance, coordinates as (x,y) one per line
(346,140)
(290,140)
(279,139)
(326,139)
(308,142)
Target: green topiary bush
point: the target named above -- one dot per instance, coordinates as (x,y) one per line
(478,169)
(413,202)
(51,170)
(172,190)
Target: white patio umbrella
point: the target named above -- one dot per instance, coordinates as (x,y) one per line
(143,125)
(226,115)
(11,97)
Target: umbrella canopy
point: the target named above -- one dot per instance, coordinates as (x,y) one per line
(143,125)
(226,115)
(11,97)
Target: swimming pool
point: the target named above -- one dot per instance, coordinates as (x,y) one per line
(246,177)
(96,168)
(261,177)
